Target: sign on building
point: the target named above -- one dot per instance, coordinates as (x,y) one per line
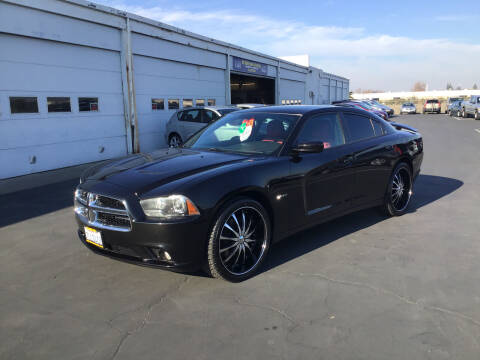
(248,66)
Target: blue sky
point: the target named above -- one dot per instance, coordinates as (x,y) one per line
(377,44)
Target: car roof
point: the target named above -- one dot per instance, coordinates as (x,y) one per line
(208,108)
(300,109)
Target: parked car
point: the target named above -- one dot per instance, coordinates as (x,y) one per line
(364,106)
(471,107)
(186,122)
(450,101)
(249,106)
(383,107)
(455,108)
(408,108)
(432,106)
(220,201)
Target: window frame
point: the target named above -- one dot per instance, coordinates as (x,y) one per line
(211,102)
(23,113)
(189,106)
(346,130)
(59,97)
(88,111)
(297,132)
(184,113)
(197,100)
(178,104)
(157,99)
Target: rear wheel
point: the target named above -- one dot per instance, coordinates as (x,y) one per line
(464,113)
(399,191)
(459,113)
(239,241)
(174,140)
(477,115)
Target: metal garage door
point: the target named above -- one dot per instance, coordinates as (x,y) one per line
(292,90)
(170,80)
(44,140)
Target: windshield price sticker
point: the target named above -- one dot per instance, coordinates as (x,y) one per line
(245,129)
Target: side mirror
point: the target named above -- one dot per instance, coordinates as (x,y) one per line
(309,147)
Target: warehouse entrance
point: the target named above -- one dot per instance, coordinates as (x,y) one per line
(251,89)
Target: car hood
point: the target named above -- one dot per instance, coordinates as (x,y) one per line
(143,172)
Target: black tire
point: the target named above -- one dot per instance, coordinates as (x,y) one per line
(238,215)
(459,113)
(174,140)
(450,113)
(391,207)
(477,115)
(464,114)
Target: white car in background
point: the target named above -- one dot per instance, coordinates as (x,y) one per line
(186,122)
(408,108)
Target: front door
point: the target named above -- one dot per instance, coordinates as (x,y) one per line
(326,178)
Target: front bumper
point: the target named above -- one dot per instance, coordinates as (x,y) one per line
(408,111)
(146,244)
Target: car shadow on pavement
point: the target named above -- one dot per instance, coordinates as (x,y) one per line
(30,203)
(427,189)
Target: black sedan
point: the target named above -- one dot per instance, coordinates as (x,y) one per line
(243,183)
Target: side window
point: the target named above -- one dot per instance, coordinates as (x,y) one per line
(180,116)
(192,116)
(377,127)
(357,127)
(323,127)
(209,116)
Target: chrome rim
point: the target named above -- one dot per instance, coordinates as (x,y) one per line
(174,141)
(242,240)
(401,190)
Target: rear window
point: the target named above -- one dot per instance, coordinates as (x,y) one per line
(432,101)
(358,127)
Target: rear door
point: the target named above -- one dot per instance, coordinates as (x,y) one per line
(370,157)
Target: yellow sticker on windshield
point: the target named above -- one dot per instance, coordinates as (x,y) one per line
(245,129)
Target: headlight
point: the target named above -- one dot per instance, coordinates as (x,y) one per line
(173,206)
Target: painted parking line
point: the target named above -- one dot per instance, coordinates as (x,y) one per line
(477,130)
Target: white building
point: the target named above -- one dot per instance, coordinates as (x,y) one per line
(81,82)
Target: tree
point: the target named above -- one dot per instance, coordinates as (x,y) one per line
(449,86)
(475,87)
(419,86)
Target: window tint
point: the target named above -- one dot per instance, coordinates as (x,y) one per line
(88,104)
(173,104)
(200,102)
(158,104)
(192,116)
(377,127)
(211,102)
(325,128)
(19,105)
(209,116)
(358,127)
(187,103)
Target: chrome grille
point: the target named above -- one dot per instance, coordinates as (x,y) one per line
(102,211)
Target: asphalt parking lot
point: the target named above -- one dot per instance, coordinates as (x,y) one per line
(360,287)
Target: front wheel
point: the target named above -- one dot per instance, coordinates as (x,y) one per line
(399,191)
(239,241)
(464,113)
(477,115)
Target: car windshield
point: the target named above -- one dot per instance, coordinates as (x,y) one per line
(245,132)
(408,104)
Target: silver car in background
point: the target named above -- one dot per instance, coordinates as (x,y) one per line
(186,122)
(408,108)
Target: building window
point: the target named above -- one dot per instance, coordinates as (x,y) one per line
(200,102)
(187,103)
(88,104)
(20,105)
(173,104)
(158,104)
(283,102)
(211,102)
(58,104)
